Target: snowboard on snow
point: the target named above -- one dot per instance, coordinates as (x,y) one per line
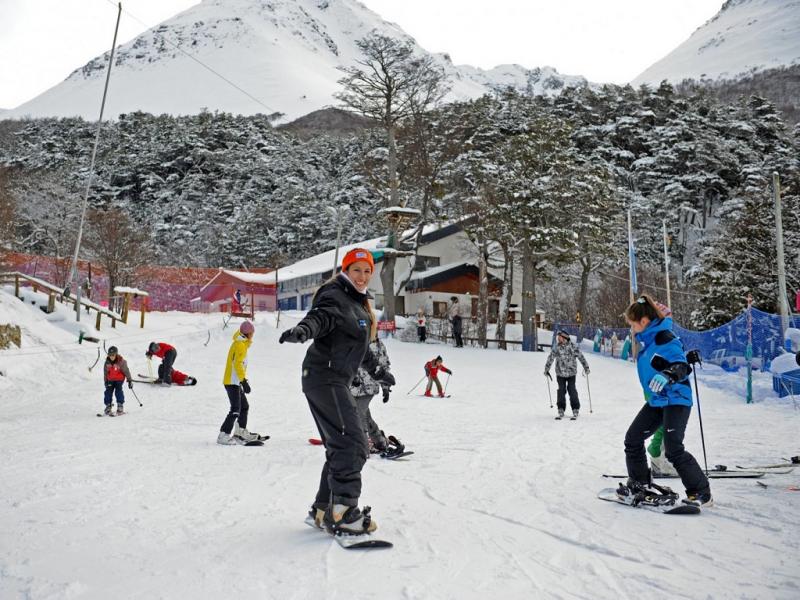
(665,506)
(389,456)
(364,541)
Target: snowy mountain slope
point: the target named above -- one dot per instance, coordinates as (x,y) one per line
(498,501)
(745,36)
(285,53)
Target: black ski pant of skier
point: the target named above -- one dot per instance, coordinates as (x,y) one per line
(457,329)
(567,384)
(336,415)
(421,333)
(165,368)
(674,419)
(238,411)
(371,429)
(115,388)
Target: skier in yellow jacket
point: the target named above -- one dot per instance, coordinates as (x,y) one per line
(237,387)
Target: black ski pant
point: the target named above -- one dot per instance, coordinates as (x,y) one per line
(165,368)
(238,411)
(421,333)
(457,329)
(336,415)
(567,384)
(674,419)
(371,429)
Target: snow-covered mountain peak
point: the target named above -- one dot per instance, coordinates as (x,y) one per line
(282,54)
(743,37)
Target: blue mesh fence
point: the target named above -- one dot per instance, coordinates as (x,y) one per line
(725,346)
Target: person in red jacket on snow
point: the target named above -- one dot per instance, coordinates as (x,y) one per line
(167,355)
(432,368)
(115,372)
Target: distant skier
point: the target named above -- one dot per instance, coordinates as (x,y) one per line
(664,374)
(421,325)
(341,323)
(454,312)
(237,387)
(566,354)
(432,368)
(167,354)
(363,388)
(115,372)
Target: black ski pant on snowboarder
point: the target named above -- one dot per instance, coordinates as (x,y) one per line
(567,384)
(457,329)
(165,368)
(238,411)
(336,415)
(674,419)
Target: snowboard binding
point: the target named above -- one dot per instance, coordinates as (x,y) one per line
(393,448)
(636,493)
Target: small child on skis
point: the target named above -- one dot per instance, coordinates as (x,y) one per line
(167,354)
(432,368)
(115,372)
(566,354)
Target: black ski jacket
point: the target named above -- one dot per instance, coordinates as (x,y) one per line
(340,325)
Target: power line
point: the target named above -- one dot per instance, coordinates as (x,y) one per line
(195,59)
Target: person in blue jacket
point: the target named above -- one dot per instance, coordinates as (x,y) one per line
(664,375)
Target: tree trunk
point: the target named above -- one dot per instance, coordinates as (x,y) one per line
(387,282)
(505,298)
(586,269)
(528,305)
(394,196)
(483,292)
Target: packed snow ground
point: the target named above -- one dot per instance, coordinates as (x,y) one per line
(498,500)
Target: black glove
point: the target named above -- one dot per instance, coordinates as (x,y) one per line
(245,386)
(295,335)
(449,372)
(386,392)
(148,354)
(130,384)
(547,374)
(384,377)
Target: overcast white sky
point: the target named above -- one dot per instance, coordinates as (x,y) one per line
(43,41)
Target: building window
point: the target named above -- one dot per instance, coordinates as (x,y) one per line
(426,262)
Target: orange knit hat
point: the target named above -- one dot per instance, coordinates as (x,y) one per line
(355,255)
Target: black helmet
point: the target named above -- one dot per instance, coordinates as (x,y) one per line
(563,333)
(153,348)
(112,350)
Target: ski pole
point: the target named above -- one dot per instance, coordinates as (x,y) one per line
(693,357)
(549,394)
(446,383)
(416,385)
(589,392)
(137,397)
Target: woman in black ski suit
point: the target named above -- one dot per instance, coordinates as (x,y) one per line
(341,323)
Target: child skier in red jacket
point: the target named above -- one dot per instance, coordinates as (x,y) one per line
(115,372)
(432,368)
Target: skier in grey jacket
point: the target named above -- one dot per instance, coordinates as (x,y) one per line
(566,355)
(363,388)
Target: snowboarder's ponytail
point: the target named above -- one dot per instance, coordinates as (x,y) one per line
(643,307)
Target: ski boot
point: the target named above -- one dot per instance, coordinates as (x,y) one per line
(560,414)
(428,394)
(120,410)
(661,467)
(109,410)
(575,414)
(340,519)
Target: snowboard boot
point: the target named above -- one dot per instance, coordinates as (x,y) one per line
(109,410)
(244,435)
(348,520)
(226,439)
(120,409)
(702,499)
(315,517)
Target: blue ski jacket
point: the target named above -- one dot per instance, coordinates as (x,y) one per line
(661,351)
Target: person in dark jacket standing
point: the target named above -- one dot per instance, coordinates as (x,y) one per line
(566,355)
(115,372)
(167,354)
(454,312)
(341,323)
(664,375)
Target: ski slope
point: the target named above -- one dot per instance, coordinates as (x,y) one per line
(498,500)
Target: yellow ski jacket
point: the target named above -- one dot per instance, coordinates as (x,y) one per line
(236,367)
